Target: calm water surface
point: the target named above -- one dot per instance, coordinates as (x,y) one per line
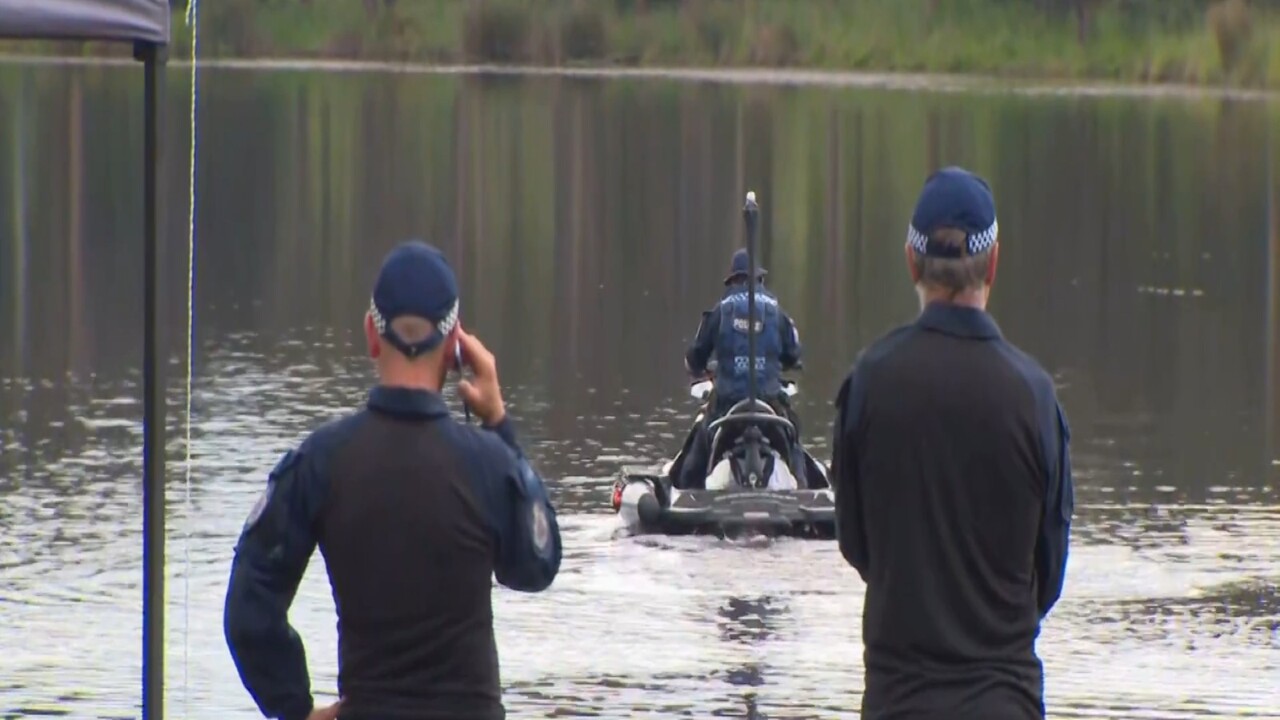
(590,222)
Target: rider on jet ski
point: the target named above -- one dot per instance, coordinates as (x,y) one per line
(722,336)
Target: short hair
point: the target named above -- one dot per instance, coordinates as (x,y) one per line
(413,329)
(953,274)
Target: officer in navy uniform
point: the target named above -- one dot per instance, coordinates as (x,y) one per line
(722,335)
(952,475)
(414,514)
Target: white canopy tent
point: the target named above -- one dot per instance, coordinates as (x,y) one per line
(145,24)
(144,21)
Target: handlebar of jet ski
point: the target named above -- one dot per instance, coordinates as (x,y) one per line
(712,378)
(789,387)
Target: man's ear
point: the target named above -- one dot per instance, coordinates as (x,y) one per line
(371,337)
(911,263)
(991,269)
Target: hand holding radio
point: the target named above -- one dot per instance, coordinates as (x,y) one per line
(481,392)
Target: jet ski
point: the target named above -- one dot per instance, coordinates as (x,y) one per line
(751,482)
(758,478)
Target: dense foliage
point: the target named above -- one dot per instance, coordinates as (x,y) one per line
(1198,41)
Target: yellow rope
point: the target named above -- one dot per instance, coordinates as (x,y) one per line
(193,23)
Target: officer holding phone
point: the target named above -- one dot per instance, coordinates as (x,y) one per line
(413,513)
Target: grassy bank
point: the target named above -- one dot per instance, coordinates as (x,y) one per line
(1231,42)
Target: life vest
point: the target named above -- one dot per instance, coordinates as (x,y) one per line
(733,348)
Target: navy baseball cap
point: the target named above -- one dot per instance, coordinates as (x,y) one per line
(741,265)
(415,280)
(954,198)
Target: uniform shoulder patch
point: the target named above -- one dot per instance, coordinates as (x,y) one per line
(287,461)
(540,525)
(533,506)
(258,507)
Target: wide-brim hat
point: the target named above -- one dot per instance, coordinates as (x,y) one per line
(740,265)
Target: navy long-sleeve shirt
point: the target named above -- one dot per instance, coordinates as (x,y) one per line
(954,499)
(415,514)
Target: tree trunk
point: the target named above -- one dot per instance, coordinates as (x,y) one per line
(1085,10)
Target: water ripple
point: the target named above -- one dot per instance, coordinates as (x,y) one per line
(1170,611)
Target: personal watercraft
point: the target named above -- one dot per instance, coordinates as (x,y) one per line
(750,484)
(758,478)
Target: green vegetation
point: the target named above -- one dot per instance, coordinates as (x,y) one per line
(1229,42)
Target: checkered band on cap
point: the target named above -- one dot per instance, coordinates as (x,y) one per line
(444,326)
(975,243)
(449,321)
(379,322)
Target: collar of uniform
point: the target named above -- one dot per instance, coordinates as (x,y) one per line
(959,320)
(407,401)
(740,287)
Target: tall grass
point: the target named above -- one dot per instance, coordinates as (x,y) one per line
(1233,42)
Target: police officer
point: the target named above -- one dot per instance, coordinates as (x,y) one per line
(413,513)
(953,484)
(722,336)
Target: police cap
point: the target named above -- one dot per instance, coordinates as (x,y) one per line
(954,198)
(415,280)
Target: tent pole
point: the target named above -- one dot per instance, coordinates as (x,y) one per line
(153,396)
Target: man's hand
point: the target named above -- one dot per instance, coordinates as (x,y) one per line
(325,713)
(482,393)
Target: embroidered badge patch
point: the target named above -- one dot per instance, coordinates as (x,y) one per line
(541,526)
(259,507)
